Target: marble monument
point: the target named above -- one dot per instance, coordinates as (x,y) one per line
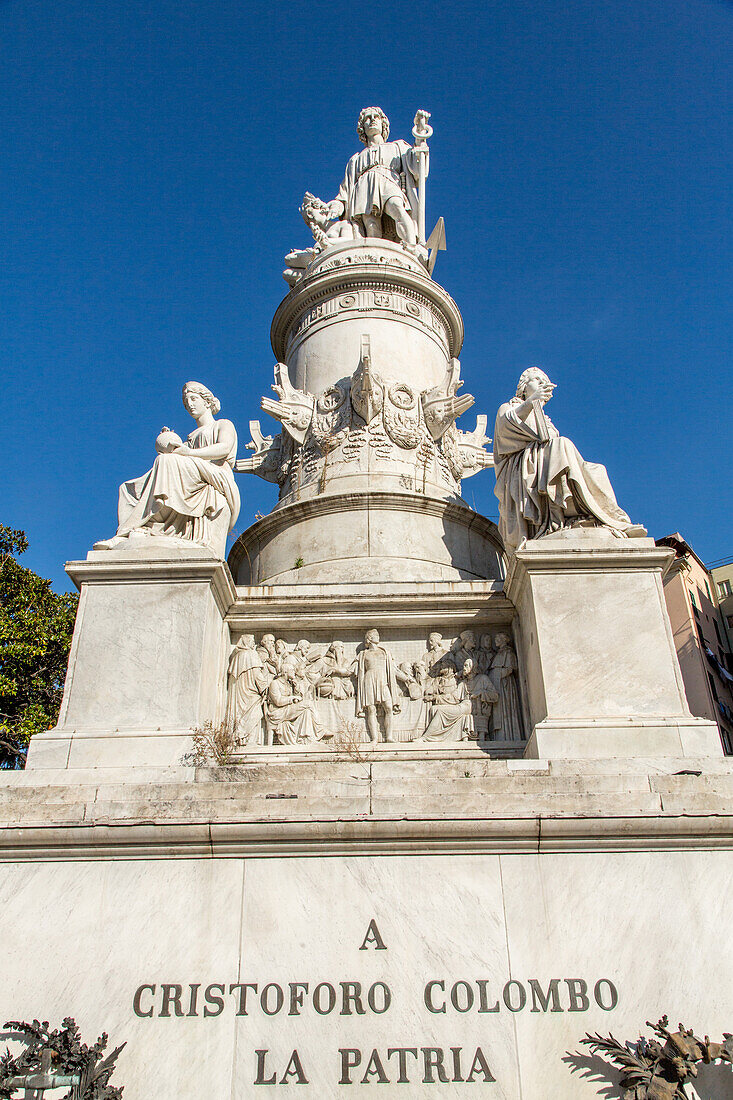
(461,816)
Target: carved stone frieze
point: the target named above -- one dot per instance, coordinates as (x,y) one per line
(285,693)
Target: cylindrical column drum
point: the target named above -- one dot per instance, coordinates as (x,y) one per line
(369,461)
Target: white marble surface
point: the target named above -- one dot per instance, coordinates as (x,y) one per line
(600,665)
(81,937)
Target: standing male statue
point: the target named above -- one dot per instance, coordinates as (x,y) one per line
(376,686)
(379,195)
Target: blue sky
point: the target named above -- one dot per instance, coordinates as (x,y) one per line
(153,158)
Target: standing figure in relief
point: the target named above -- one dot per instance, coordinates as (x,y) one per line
(463,649)
(451,710)
(190,492)
(507,725)
(248,681)
(481,690)
(484,654)
(542,481)
(335,672)
(290,715)
(376,686)
(379,192)
(268,656)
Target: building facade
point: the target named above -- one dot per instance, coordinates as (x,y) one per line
(700,608)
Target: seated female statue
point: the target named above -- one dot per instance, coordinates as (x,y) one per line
(190,492)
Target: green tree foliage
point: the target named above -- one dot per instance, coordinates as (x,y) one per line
(36,625)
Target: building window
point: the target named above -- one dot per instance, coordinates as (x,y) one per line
(707,589)
(724,589)
(713,687)
(717,631)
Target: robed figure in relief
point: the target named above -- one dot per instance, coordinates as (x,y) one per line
(451,710)
(248,682)
(542,481)
(189,493)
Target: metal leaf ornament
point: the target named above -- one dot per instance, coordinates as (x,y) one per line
(57,1059)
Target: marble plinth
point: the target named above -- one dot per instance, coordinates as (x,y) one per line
(147,659)
(445,906)
(601,669)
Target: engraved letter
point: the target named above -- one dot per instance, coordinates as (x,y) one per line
(402,1053)
(375,1068)
(171,996)
(136,1000)
(373,936)
(433,1060)
(480,1063)
(260,1078)
(612,991)
(297,1069)
(350,1059)
(429,996)
(553,994)
(578,990)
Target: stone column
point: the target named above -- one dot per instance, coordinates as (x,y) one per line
(148,658)
(602,674)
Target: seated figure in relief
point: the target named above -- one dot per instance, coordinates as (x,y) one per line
(290,712)
(335,674)
(450,710)
(189,493)
(379,193)
(542,481)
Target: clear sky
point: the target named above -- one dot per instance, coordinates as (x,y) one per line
(154,154)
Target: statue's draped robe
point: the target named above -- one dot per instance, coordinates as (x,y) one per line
(375,175)
(541,486)
(507,714)
(191,498)
(451,715)
(248,680)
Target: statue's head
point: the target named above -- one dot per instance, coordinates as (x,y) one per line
(435,640)
(303,646)
(289,667)
(247,641)
(532,374)
(371,637)
(369,116)
(467,639)
(198,388)
(467,667)
(486,641)
(268,641)
(501,640)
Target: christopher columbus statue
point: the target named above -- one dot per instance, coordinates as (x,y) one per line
(380,196)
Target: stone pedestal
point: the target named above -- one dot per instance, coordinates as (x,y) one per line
(602,674)
(147,660)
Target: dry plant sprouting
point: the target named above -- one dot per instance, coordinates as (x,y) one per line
(347,739)
(212,744)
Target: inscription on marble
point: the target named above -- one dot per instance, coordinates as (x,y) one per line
(419,1064)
